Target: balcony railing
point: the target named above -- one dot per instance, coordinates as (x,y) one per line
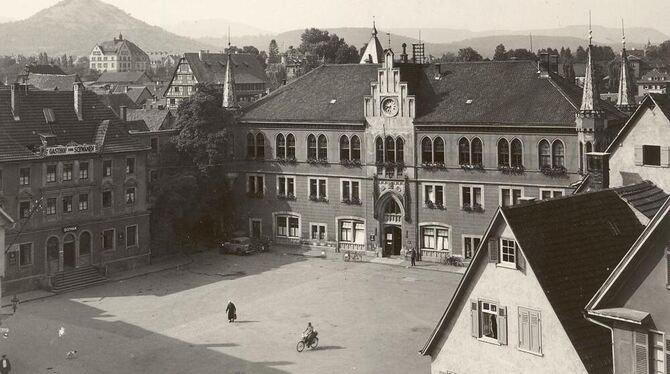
(393,218)
(346,246)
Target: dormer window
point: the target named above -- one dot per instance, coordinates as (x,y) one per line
(49,115)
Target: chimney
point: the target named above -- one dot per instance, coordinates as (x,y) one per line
(123,112)
(403,56)
(126,89)
(78,89)
(201,53)
(16,101)
(553,64)
(597,164)
(543,65)
(526,200)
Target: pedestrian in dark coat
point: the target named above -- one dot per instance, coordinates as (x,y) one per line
(5,366)
(232,311)
(412,256)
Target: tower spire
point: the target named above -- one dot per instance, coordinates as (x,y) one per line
(374,52)
(229,101)
(625,100)
(590,96)
(374,27)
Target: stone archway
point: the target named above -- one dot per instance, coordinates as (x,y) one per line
(391,215)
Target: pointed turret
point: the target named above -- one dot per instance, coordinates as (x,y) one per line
(229,99)
(374,52)
(590,96)
(626,100)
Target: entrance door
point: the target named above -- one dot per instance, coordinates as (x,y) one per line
(256,229)
(69,251)
(392,240)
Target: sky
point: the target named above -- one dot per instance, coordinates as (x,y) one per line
(475,15)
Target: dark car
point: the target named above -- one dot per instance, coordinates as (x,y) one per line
(238,246)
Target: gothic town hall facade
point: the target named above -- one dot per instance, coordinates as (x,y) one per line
(385,157)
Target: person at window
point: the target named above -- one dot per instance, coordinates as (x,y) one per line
(490,326)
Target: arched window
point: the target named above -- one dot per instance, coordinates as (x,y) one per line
(355,148)
(311,147)
(84,243)
(400,151)
(379,151)
(463,152)
(426,151)
(545,154)
(558,153)
(517,153)
(344,148)
(390,149)
(503,152)
(290,146)
(260,146)
(476,151)
(438,146)
(251,146)
(392,207)
(323,147)
(281,146)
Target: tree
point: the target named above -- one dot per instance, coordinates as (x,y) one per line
(260,56)
(319,46)
(469,54)
(273,52)
(500,53)
(580,54)
(448,57)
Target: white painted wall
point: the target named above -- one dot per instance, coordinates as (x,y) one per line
(461,353)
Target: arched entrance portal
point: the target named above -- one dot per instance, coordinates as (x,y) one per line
(69,251)
(392,217)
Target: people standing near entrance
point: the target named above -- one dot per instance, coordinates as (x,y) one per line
(232,312)
(5,366)
(412,256)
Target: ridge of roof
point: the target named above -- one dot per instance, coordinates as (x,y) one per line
(623,132)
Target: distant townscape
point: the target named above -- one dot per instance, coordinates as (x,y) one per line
(531,175)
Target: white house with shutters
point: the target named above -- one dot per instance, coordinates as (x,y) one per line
(518,308)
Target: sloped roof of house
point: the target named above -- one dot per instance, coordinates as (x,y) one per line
(44,69)
(50,82)
(652,99)
(134,92)
(113,46)
(155,119)
(20,140)
(116,101)
(212,68)
(571,244)
(482,93)
(123,77)
(644,196)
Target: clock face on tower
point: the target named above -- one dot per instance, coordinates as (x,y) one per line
(390,106)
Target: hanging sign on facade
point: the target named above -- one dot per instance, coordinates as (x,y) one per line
(63,150)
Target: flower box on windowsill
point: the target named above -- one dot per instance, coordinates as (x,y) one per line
(474,208)
(318,161)
(351,163)
(432,205)
(255,195)
(287,160)
(319,199)
(286,197)
(434,166)
(479,167)
(354,201)
(512,170)
(558,171)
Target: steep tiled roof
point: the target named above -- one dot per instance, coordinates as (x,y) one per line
(116,101)
(155,119)
(44,69)
(18,139)
(573,244)
(123,77)
(134,92)
(50,82)
(113,46)
(645,197)
(212,68)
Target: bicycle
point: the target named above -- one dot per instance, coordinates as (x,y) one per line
(353,256)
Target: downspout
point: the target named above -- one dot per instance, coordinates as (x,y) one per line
(586,315)
(417,248)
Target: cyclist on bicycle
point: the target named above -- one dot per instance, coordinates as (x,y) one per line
(308,333)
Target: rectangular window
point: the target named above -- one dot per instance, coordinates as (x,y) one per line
(508,252)
(67,172)
(433,194)
(288,226)
(489,320)
(154,145)
(83,170)
(24,209)
(550,194)
(51,173)
(352,231)
(25,254)
(131,236)
(130,195)
(471,198)
(107,199)
(651,155)
(24,176)
(286,186)
(658,358)
(83,201)
(530,330)
(293,227)
(107,168)
(317,231)
(108,239)
(50,208)
(67,204)
(255,185)
(470,244)
(130,165)
(351,190)
(510,196)
(435,238)
(318,188)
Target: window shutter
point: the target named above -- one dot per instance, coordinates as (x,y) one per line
(641,352)
(535,332)
(502,325)
(667,356)
(667,260)
(638,155)
(474,315)
(524,329)
(493,250)
(665,156)
(520,260)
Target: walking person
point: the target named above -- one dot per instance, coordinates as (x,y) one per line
(232,312)
(412,256)
(5,366)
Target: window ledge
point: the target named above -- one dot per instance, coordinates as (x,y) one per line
(489,341)
(539,354)
(506,265)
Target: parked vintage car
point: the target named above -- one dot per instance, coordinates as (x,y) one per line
(241,245)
